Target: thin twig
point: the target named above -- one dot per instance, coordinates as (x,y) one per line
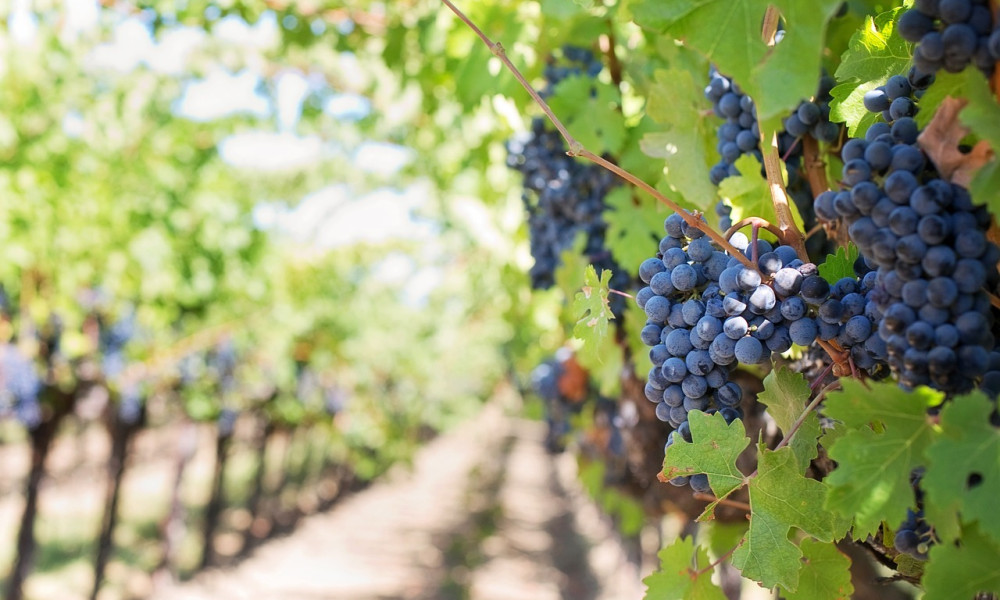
(994,300)
(772,160)
(614,291)
(718,561)
(802,418)
(819,380)
(577,149)
(755,221)
(815,167)
(724,501)
(614,65)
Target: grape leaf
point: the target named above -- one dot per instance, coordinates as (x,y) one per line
(872,480)
(969,445)
(782,498)
(982,115)
(825,573)
(592,305)
(676,101)
(749,194)
(723,536)
(875,53)
(713,451)
(962,571)
(839,265)
(589,110)
(679,577)
(786,394)
(634,227)
(728,32)
(946,84)
(599,353)
(847,106)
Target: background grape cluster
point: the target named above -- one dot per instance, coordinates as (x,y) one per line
(563,197)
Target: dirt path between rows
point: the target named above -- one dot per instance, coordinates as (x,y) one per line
(484,514)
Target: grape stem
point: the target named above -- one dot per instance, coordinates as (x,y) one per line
(723,501)
(815,167)
(577,149)
(614,65)
(614,291)
(802,418)
(718,561)
(756,222)
(994,300)
(772,160)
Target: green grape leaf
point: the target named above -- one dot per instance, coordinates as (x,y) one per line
(875,53)
(749,194)
(963,471)
(786,394)
(635,227)
(599,353)
(589,110)
(679,577)
(945,84)
(984,185)
(887,432)
(677,102)
(722,537)
(728,32)
(847,106)
(592,305)
(782,498)
(825,573)
(981,115)
(714,451)
(839,265)
(962,571)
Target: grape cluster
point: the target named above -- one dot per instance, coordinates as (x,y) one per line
(112,341)
(19,387)
(130,406)
(563,197)
(545,382)
(927,241)
(914,536)
(740,133)
(897,100)
(950,34)
(707,312)
(226,422)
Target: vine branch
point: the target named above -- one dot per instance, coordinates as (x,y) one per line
(772,160)
(577,149)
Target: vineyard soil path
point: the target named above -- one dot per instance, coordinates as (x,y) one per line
(485,513)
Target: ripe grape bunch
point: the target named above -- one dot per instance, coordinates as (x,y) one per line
(563,196)
(706,313)
(928,243)
(950,34)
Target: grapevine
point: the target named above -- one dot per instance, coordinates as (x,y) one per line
(912,310)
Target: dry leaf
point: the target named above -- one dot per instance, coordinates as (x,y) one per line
(940,140)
